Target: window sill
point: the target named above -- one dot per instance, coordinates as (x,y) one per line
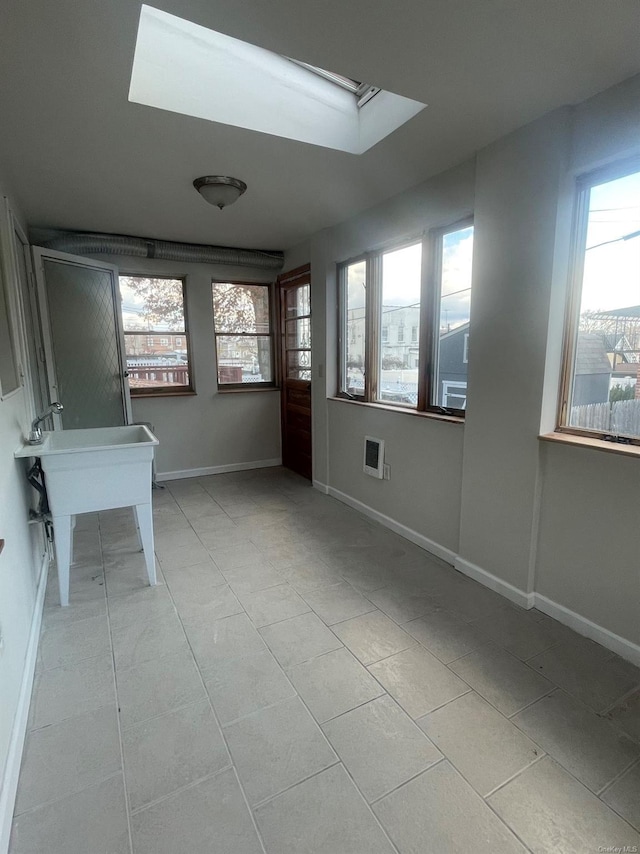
(248,388)
(590,442)
(434,416)
(153,395)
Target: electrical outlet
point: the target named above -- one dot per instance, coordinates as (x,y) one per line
(386,472)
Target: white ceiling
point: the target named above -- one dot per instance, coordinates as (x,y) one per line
(75,154)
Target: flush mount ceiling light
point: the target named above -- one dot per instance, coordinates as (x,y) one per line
(219,190)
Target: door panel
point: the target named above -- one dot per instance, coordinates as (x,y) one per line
(80,304)
(295,370)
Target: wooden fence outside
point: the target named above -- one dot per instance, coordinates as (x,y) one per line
(622,417)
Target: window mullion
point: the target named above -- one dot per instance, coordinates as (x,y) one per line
(574,295)
(427,322)
(373,326)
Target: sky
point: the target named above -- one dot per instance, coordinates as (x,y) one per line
(612,272)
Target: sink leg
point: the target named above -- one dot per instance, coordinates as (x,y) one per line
(62,532)
(144,518)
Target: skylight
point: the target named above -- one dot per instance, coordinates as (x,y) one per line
(185,68)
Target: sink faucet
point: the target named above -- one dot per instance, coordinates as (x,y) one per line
(35,435)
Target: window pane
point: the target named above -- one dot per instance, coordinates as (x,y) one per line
(400,322)
(298,333)
(155,365)
(449,386)
(298,301)
(152,304)
(243,359)
(241,308)
(299,364)
(605,391)
(355,328)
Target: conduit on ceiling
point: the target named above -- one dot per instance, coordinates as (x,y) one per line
(80,243)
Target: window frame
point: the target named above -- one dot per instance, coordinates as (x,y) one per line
(264,384)
(152,334)
(582,191)
(428,337)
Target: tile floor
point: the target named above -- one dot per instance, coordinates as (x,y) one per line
(303,681)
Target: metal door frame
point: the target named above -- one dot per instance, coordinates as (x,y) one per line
(40,254)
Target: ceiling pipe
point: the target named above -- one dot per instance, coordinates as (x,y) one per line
(82,243)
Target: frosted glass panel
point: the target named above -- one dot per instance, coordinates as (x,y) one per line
(82,313)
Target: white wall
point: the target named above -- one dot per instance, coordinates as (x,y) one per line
(20,563)
(524,517)
(208,429)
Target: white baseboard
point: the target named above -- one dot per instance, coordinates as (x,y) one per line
(408,533)
(202,472)
(19,729)
(623,647)
(514,594)
(321,487)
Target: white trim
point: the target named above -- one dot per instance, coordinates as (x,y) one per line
(408,533)
(498,585)
(321,487)
(623,647)
(202,472)
(19,730)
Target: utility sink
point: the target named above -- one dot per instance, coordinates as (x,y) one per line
(96,469)
(93,439)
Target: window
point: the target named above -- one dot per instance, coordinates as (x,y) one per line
(242,327)
(155,363)
(601,373)
(423,286)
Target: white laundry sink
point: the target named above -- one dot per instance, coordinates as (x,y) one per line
(96,469)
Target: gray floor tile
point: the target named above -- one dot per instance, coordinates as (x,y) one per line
(93,820)
(188,582)
(501,679)
(578,668)
(148,603)
(323,815)
(169,752)
(239,555)
(401,604)
(299,639)
(418,681)
(256,576)
(576,737)
(517,632)
(216,603)
(439,811)
(469,599)
(380,746)
(333,683)
(83,604)
(158,686)
(211,817)
(265,607)
(223,640)
(373,636)
(311,574)
(481,743)
(551,811)
(624,796)
(67,756)
(446,635)
(138,642)
(338,603)
(68,644)
(626,716)
(72,689)
(244,685)
(173,555)
(277,747)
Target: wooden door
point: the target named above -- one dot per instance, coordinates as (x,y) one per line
(295,369)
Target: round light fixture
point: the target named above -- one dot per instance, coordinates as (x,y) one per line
(220,190)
